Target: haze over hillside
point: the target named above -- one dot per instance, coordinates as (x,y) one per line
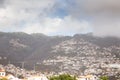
(77,37)
(32,49)
(61,17)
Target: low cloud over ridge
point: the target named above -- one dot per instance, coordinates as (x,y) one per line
(52,17)
(104,15)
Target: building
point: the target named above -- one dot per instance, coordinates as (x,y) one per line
(2,72)
(88,77)
(11,77)
(42,77)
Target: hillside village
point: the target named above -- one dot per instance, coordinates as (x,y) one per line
(81,57)
(59,39)
(10,72)
(78,55)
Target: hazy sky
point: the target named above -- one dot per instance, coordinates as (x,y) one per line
(61,17)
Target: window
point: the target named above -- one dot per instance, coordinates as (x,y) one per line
(3,74)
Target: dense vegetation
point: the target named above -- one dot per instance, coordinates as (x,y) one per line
(63,77)
(104,78)
(3,79)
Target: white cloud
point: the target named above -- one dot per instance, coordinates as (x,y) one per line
(32,17)
(47,25)
(17,13)
(60,26)
(104,15)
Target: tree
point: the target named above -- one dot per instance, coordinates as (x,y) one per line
(63,77)
(3,79)
(104,78)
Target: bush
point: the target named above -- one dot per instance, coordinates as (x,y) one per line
(3,79)
(104,78)
(63,77)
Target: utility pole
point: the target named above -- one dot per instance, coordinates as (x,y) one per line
(9,62)
(23,64)
(34,67)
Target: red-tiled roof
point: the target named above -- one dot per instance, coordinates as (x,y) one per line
(2,70)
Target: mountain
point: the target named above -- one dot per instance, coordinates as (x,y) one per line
(18,47)
(58,53)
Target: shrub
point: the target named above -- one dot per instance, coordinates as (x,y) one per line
(104,78)
(63,77)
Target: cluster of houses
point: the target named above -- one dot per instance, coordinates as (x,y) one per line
(7,76)
(4,75)
(82,57)
(88,77)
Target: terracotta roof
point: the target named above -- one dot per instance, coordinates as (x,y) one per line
(2,70)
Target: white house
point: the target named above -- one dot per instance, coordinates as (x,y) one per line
(2,72)
(11,77)
(42,77)
(88,77)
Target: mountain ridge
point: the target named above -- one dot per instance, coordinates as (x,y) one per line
(32,48)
